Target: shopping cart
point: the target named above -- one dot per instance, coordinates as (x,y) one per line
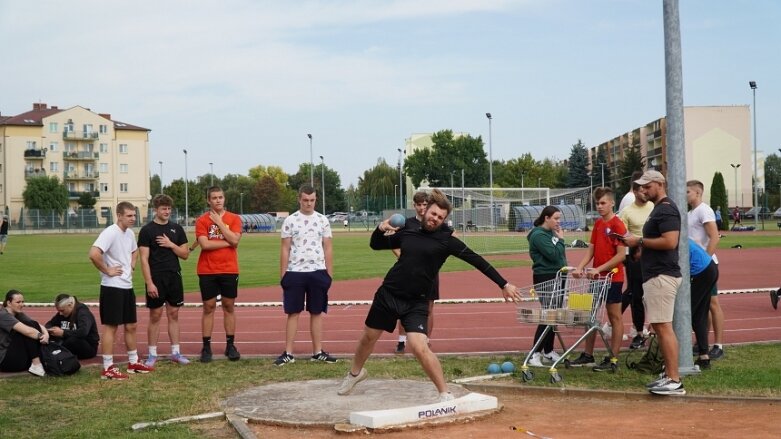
(564,301)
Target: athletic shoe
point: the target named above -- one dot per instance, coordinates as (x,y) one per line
(668,387)
(633,332)
(446,396)
(553,356)
(323,357)
(703,363)
(607,329)
(179,358)
(350,381)
(232,353)
(774,298)
(37,370)
(139,368)
(150,361)
(716,353)
(584,360)
(662,378)
(637,342)
(535,360)
(284,359)
(112,373)
(206,354)
(400,347)
(607,365)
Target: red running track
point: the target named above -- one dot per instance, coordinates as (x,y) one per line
(460,328)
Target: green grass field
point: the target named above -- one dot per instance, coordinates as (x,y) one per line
(42,265)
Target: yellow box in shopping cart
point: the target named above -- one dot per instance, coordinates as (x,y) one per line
(580,301)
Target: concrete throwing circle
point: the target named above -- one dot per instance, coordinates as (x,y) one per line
(315,403)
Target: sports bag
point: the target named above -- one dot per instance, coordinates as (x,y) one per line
(57,360)
(652,361)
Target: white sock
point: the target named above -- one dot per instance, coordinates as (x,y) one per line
(108,360)
(717,345)
(132,357)
(152,351)
(403,338)
(174,349)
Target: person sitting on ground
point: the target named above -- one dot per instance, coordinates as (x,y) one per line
(20,337)
(74,327)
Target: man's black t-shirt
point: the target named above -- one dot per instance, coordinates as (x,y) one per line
(664,218)
(422,255)
(162,259)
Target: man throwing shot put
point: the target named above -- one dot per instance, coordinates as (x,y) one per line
(404,293)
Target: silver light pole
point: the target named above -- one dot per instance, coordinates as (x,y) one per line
(211,173)
(490,170)
(602,164)
(241,202)
(186,194)
(161,176)
(401,186)
(322,178)
(311,163)
(753,86)
(735,168)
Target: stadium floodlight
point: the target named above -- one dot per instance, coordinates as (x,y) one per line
(311,163)
(735,168)
(490,169)
(322,177)
(186,194)
(755,188)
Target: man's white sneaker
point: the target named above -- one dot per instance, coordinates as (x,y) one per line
(535,360)
(446,396)
(350,381)
(37,370)
(553,356)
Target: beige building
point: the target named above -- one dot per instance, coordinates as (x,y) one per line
(717,139)
(87,151)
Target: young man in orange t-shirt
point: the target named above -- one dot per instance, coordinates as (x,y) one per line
(608,251)
(218,233)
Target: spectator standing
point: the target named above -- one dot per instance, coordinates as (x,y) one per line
(3,234)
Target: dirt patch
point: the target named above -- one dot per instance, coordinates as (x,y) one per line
(567,416)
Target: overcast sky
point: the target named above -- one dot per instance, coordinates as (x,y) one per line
(241,83)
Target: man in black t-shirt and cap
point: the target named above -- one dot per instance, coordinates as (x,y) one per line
(161,244)
(661,275)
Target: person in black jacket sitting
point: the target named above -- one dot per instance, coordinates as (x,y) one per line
(74,326)
(404,293)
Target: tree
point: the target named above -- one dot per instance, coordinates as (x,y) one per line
(45,193)
(87,200)
(718,199)
(633,161)
(154,185)
(773,175)
(267,196)
(377,185)
(334,194)
(446,155)
(578,166)
(276,172)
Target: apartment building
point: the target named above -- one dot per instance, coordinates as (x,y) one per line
(87,151)
(716,138)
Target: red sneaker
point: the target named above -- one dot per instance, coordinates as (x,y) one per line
(139,368)
(112,373)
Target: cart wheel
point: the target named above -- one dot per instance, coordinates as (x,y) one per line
(555,378)
(527,375)
(567,364)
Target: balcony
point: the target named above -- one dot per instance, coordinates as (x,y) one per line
(80,155)
(74,195)
(34,172)
(74,175)
(79,135)
(35,154)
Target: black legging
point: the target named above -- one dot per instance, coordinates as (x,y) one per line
(21,351)
(80,347)
(701,286)
(550,337)
(634,291)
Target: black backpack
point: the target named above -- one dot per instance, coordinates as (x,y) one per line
(652,361)
(57,360)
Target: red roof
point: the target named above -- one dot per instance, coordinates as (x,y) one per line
(40,111)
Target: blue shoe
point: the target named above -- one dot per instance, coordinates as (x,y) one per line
(150,361)
(179,359)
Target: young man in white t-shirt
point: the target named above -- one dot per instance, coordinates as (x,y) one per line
(306,270)
(703,230)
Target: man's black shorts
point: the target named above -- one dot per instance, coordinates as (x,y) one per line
(311,286)
(387,309)
(169,290)
(213,285)
(117,306)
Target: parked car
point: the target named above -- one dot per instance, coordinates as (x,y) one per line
(763,212)
(777,213)
(592,215)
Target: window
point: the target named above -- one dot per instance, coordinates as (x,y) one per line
(53,127)
(104,187)
(53,146)
(104,147)
(31,144)
(90,147)
(54,166)
(123,148)
(70,147)
(103,129)
(123,168)
(123,187)
(103,168)
(87,128)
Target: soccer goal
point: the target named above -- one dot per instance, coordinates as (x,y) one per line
(503,227)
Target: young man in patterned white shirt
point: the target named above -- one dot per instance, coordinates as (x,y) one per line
(305,269)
